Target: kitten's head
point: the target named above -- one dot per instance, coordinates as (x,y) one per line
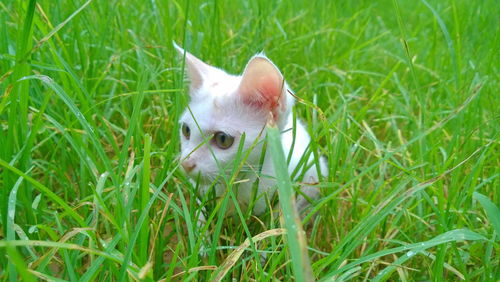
(223,107)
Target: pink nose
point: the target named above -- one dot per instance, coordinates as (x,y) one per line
(188,165)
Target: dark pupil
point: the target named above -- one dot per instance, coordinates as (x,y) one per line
(185,130)
(223,140)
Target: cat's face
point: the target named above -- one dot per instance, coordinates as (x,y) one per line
(212,130)
(222,108)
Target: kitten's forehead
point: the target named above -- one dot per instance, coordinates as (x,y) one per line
(223,85)
(221,114)
(216,99)
(209,113)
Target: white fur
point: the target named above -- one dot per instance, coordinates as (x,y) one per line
(217,105)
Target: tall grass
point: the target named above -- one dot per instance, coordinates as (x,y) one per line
(400,96)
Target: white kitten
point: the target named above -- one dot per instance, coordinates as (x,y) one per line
(225,106)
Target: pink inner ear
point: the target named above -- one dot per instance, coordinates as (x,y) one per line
(268,93)
(270,88)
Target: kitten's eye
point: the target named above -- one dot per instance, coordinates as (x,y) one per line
(223,140)
(186,131)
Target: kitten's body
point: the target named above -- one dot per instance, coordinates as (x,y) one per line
(232,105)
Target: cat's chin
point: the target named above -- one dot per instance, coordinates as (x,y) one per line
(203,179)
(210,178)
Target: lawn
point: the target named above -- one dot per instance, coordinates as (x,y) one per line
(402,97)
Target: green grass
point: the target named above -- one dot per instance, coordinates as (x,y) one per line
(400,96)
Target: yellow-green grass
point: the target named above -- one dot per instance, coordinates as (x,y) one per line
(402,97)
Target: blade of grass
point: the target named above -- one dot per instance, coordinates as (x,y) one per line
(230,260)
(492,211)
(18,114)
(79,116)
(146,173)
(413,249)
(295,234)
(40,187)
(94,267)
(449,42)
(138,228)
(58,27)
(69,246)
(18,262)
(11,214)
(410,251)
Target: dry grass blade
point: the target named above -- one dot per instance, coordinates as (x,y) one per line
(229,262)
(191,270)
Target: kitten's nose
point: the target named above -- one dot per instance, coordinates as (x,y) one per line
(188,165)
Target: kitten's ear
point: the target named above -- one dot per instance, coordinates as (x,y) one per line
(263,86)
(197,70)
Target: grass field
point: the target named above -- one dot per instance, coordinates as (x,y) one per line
(401,96)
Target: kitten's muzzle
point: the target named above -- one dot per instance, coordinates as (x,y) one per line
(188,165)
